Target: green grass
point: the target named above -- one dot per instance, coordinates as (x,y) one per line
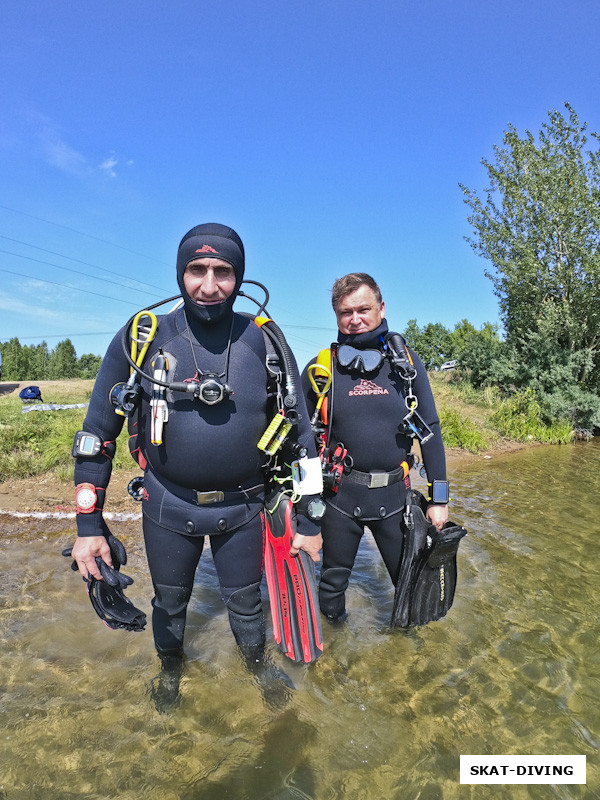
(460,431)
(474,419)
(40,441)
(521,418)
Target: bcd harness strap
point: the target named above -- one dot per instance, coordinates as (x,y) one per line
(280,389)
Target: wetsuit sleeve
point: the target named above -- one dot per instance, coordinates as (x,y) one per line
(306,526)
(103,422)
(434,456)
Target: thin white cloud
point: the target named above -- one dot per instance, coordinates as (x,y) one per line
(59,153)
(29,310)
(109,164)
(63,156)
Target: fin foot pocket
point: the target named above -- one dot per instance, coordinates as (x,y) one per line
(165,688)
(275,685)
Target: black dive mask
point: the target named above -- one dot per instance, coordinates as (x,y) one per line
(360,360)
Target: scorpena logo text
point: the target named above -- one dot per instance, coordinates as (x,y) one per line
(366,387)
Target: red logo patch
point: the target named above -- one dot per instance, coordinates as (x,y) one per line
(366,387)
(206,248)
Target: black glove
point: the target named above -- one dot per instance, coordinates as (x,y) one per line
(111,575)
(106,596)
(113,608)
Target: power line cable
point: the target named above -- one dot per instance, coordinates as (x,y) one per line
(73,288)
(78,261)
(76,272)
(59,336)
(81,233)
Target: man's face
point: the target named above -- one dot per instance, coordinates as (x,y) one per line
(359,311)
(209,281)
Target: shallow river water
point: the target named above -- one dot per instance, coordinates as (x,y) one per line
(513,669)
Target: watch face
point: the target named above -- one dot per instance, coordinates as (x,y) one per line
(86,445)
(85,498)
(316,509)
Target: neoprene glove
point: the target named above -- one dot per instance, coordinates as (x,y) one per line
(111,575)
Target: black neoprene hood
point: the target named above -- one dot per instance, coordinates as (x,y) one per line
(210,240)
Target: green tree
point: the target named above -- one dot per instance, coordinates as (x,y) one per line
(89,364)
(40,359)
(461,333)
(14,361)
(539,226)
(433,343)
(63,361)
(413,335)
(436,345)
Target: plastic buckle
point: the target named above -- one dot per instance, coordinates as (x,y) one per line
(205,498)
(378,479)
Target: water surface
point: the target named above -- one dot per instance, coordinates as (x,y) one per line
(514,668)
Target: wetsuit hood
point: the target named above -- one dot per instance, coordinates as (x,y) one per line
(210,240)
(367,340)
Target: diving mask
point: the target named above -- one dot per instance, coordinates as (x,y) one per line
(361,360)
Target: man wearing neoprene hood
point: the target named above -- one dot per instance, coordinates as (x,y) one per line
(366,420)
(203,473)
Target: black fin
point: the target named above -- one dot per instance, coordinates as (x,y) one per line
(427,572)
(113,608)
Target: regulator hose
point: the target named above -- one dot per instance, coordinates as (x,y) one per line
(180,386)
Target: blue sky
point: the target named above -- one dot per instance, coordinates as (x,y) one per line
(331,135)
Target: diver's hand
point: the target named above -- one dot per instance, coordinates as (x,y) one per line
(310,544)
(437,515)
(85,551)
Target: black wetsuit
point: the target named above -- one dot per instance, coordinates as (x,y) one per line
(367,413)
(205,449)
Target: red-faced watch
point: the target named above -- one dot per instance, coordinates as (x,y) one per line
(85,498)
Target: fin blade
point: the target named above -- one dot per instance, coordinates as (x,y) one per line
(292,588)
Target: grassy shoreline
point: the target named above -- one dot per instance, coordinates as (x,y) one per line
(39,443)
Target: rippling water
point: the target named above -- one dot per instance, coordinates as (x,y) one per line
(514,668)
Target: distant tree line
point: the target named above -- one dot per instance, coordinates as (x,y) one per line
(38,363)
(437,344)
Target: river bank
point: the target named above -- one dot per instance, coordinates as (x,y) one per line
(51,491)
(46,493)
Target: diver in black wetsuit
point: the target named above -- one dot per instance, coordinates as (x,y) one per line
(366,408)
(205,476)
